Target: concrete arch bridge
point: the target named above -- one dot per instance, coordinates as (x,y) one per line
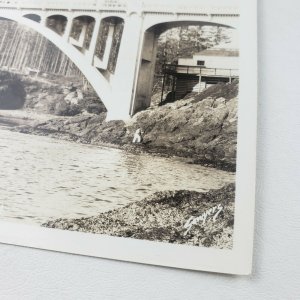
(125,85)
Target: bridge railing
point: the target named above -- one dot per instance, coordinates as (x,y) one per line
(202,71)
(207,7)
(171,6)
(65,5)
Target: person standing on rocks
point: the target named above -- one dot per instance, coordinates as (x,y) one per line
(138,136)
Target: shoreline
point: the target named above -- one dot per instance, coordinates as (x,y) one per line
(160,217)
(27,122)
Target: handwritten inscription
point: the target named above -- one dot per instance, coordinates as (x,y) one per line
(212,212)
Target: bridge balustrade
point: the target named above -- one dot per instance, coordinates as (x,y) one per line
(196,70)
(66,5)
(188,6)
(166,6)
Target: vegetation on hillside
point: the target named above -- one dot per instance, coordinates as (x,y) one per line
(185,41)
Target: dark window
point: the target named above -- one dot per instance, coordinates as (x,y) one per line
(200,63)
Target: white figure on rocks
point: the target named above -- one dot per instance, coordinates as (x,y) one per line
(138,138)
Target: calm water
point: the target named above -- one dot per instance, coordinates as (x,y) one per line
(43,179)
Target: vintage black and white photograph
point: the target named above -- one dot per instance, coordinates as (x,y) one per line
(120,118)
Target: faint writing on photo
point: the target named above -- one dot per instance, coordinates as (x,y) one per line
(212,212)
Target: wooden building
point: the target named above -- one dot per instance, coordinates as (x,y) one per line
(203,69)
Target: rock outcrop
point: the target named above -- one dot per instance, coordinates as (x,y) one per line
(47,96)
(61,99)
(202,128)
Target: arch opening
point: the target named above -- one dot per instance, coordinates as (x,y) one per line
(82,29)
(57,23)
(166,45)
(108,44)
(160,28)
(33,17)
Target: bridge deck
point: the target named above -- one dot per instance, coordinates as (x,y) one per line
(166,6)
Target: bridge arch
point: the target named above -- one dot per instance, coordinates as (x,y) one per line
(148,57)
(200,19)
(161,27)
(97,81)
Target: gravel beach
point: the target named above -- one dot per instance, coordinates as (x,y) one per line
(180,217)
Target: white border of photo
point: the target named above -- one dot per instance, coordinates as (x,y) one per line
(235,261)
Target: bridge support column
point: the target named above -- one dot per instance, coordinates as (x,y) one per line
(93,44)
(109,42)
(124,81)
(68,29)
(103,63)
(43,21)
(81,40)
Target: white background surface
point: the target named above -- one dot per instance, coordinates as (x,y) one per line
(35,274)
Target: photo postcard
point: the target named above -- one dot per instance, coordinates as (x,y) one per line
(128,130)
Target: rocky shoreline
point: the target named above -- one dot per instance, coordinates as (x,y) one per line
(179,217)
(44,129)
(201,128)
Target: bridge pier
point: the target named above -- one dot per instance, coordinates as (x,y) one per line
(125,79)
(142,97)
